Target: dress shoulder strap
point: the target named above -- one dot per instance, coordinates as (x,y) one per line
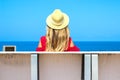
(43,41)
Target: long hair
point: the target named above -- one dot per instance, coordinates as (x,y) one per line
(57,39)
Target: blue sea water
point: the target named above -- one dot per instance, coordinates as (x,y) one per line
(83,45)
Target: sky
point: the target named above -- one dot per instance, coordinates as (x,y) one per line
(90,20)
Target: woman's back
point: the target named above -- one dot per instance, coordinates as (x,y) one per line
(43,40)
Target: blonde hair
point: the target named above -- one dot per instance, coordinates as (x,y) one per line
(57,39)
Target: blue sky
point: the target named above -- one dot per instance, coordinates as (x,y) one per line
(90,20)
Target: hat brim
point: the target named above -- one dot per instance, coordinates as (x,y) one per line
(63,25)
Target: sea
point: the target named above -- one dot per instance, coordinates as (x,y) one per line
(83,45)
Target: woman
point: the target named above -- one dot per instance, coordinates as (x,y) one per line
(57,37)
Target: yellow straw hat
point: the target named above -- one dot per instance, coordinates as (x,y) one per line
(57,20)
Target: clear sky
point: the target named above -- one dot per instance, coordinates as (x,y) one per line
(90,20)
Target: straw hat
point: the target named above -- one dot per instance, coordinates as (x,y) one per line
(57,20)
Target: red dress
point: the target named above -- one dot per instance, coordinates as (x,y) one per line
(43,44)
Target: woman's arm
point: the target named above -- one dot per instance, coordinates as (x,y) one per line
(39,45)
(39,48)
(73,47)
(42,44)
(71,44)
